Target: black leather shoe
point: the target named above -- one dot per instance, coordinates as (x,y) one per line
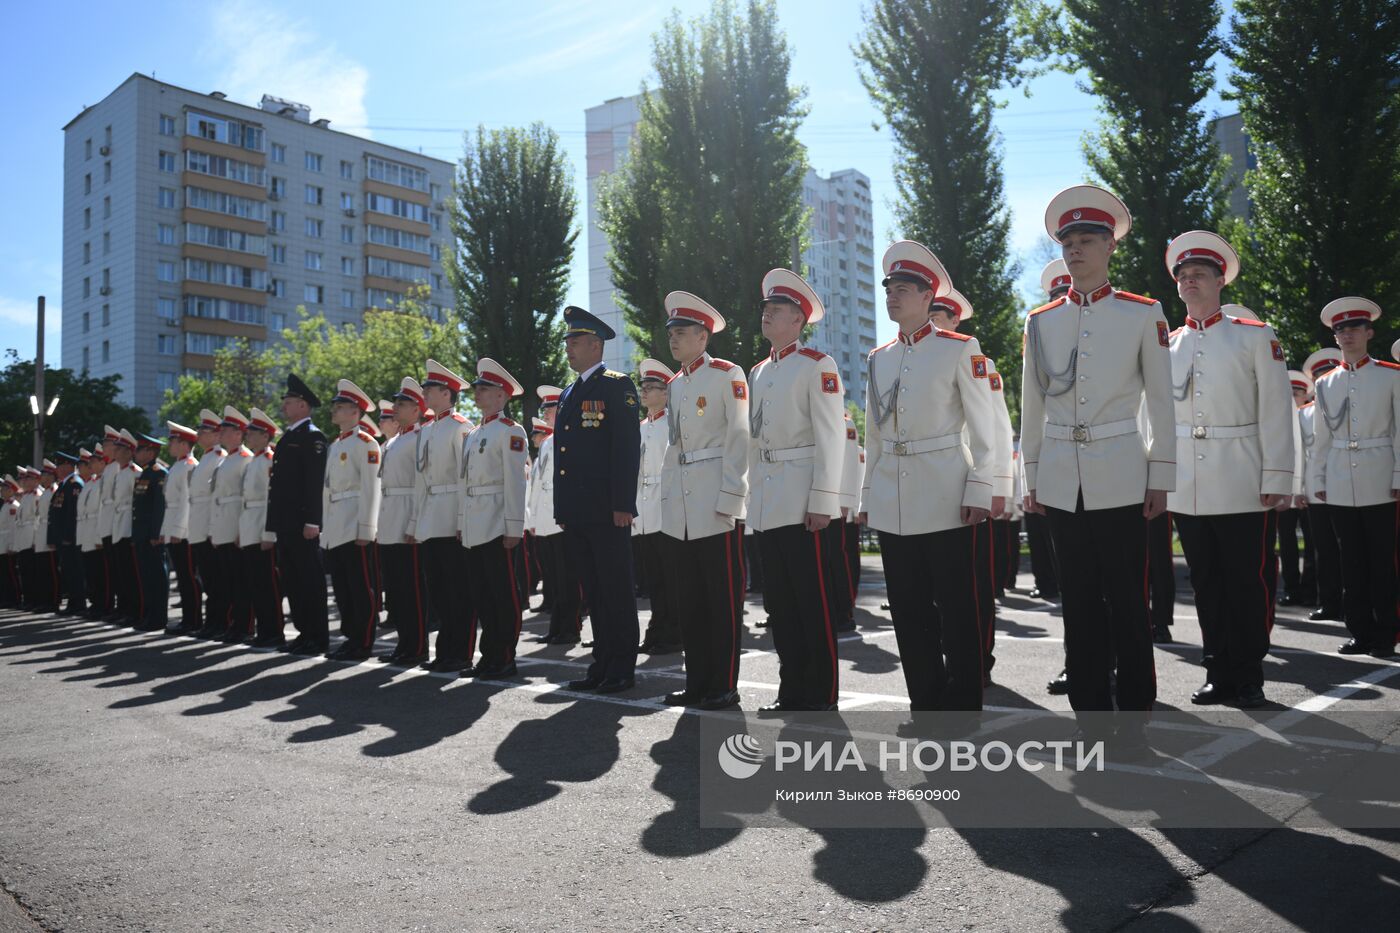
(306,649)
(616,685)
(493,671)
(410,660)
(724,700)
(449,666)
(1059,686)
(268,641)
(680,698)
(564,640)
(1207,694)
(1250,697)
(1383,652)
(1352,646)
(844,627)
(663,649)
(1325,614)
(231,637)
(1288,599)
(777,708)
(587,683)
(1162,634)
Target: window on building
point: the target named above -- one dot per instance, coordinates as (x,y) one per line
(167,197)
(347,298)
(279,288)
(224,130)
(313,260)
(165,308)
(87,359)
(87,218)
(87,251)
(87,149)
(278,253)
(87,287)
(279,152)
(106,315)
(166,161)
(347,265)
(347,201)
(165,344)
(278,187)
(165,234)
(106,244)
(313,162)
(106,278)
(165,271)
(347,233)
(107,136)
(279,322)
(166,382)
(167,125)
(313,294)
(107,207)
(87,322)
(106,172)
(314,194)
(437,223)
(223,238)
(106,351)
(87,183)
(434,190)
(435,251)
(437,280)
(313,227)
(347,170)
(396,173)
(279,221)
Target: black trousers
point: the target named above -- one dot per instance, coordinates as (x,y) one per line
(206,564)
(109,573)
(24,563)
(1104,590)
(1299,582)
(1161,580)
(127,573)
(445,570)
(264,590)
(930,583)
(70,562)
(1367,536)
(356,595)
(984,574)
(540,553)
(1228,556)
(1008,545)
(836,570)
(1044,567)
(236,591)
(601,555)
(640,582)
(494,576)
(303,579)
(710,586)
(664,627)
(155,583)
(566,600)
(405,596)
(95,576)
(1327,554)
(796,564)
(187,583)
(9,581)
(46,580)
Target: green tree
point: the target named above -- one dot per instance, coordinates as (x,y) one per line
(932,67)
(85,404)
(1317,86)
(1153,148)
(512,216)
(710,196)
(240,378)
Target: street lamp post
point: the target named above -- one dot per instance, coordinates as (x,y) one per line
(37,407)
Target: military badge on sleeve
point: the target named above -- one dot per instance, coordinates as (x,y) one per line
(517,444)
(1278,350)
(374,456)
(831,385)
(994,380)
(979,367)
(1163,336)
(741,391)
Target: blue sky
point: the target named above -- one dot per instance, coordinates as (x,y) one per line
(418,74)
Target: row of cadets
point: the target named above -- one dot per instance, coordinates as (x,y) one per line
(663,634)
(175,528)
(350,518)
(120,493)
(201,490)
(11,589)
(294,505)
(63,533)
(229,613)
(1234,431)
(147,514)
(255,542)
(563,593)
(96,583)
(1299,588)
(1321,536)
(924,490)
(1355,468)
(45,556)
(405,593)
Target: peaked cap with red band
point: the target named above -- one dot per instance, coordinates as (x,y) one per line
(347,391)
(1203,246)
(784,285)
(909,261)
(685,308)
(440,375)
(1349,309)
(1087,206)
(491,373)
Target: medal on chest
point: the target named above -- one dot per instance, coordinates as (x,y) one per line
(700,406)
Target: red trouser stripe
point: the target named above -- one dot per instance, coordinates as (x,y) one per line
(372,614)
(514,601)
(418,603)
(826,615)
(733,619)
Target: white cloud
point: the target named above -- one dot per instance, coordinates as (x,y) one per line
(270,52)
(580,49)
(17,319)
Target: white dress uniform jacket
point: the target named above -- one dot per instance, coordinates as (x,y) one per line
(1003,480)
(705,484)
(41,529)
(852,468)
(437,486)
(202,493)
(350,495)
(492,500)
(655,436)
(252,522)
(398,472)
(1306,414)
(542,486)
(26,520)
(8,514)
(797,438)
(227,489)
(176,523)
(106,505)
(87,518)
(1089,362)
(123,498)
(1234,416)
(1300,453)
(1356,451)
(921,390)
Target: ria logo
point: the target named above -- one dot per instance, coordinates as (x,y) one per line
(740,756)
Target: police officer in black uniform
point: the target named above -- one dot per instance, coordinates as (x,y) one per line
(597,455)
(294,515)
(147,514)
(63,534)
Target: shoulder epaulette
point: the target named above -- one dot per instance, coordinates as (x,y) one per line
(1307,404)
(1140,299)
(245,453)
(812,354)
(614,374)
(1386,364)
(363,435)
(951,334)
(724,365)
(507,422)
(1177,331)
(881,347)
(1245,320)
(1046,307)
(459,417)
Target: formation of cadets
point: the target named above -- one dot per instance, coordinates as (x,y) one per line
(1127,428)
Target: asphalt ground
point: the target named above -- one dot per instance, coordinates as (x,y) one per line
(168,784)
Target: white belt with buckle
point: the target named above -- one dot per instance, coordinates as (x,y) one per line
(925,446)
(1219,432)
(651,481)
(225,500)
(781,455)
(347,494)
(200,498)
(254,503)
(398,490)
(1364,443)
(444,487)
(1085,433)
(485,489)
(697,456)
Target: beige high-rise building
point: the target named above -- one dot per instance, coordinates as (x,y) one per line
(190,221)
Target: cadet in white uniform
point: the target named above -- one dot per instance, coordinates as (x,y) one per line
(796,453)
(175,526)
(405,596)
(201,511)
(350,519)
(230,608)
(1091,358)
(1356,470)
(10,587)
(563,592)
(1298,588)
(704,488)
(491,519)
(924,491)
(1234,427)
(89,536)
(434,523)
(844,579)
(663,635)
(125,572)
(1327,555)
(255,542)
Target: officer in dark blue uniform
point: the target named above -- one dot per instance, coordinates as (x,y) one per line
(63,534)
(294,515)
(147,514)
(597,442)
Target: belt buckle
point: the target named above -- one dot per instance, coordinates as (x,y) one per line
(1198,431)
(766,455)
(1353,445)
(1079,433)
(901,448)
